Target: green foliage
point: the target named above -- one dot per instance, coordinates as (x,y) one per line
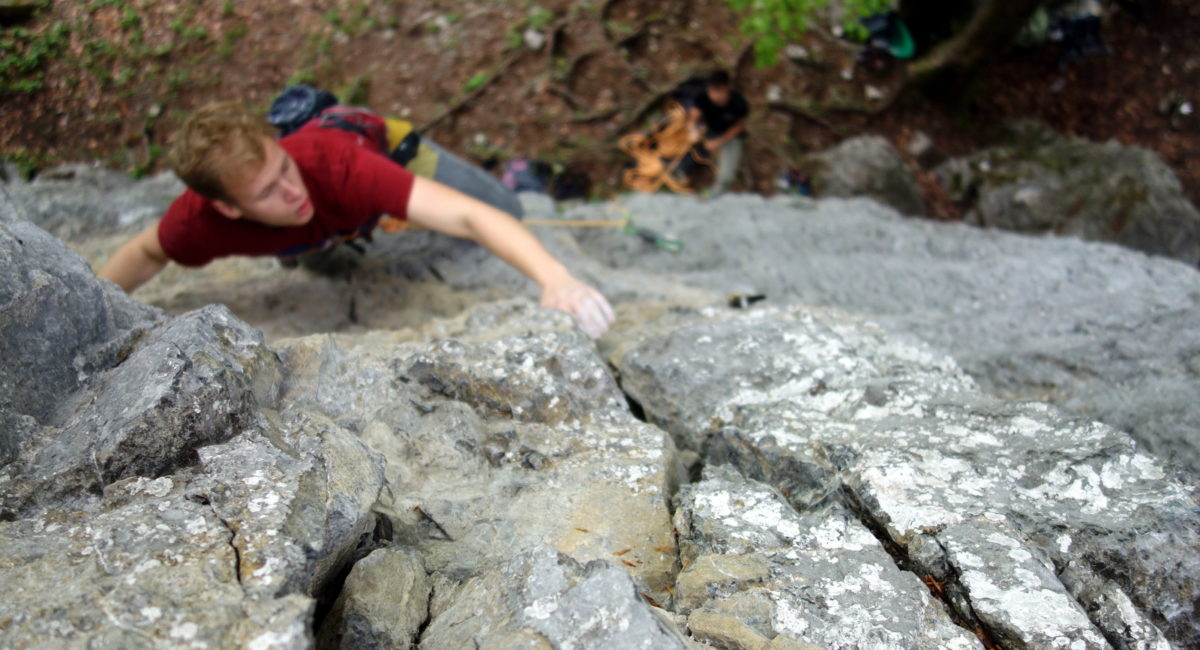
(27,161)
(513,37)
(619,29)
(303,75)
(130,19)
(177,79)
(476,80)
(773,23)
(23,52)
(356,92)
(182,25)
(358,19)
(234,34)
(540,17)
(141,170)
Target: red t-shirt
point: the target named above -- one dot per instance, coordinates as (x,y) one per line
(349,183)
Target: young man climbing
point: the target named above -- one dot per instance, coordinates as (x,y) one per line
(249,194)
(717,118)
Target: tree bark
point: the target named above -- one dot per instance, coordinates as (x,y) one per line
(987,35)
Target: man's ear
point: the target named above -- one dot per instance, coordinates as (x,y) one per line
(228,209)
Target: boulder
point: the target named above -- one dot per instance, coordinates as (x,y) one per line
(155,567)
(1037,318)
(818,577)
(990,501)
(155,480)
(78,201)
(503,432)
(383,604)
(1044,318)
(230,552)
(197,380)
(1042,182)
(57,323)
(188,480)
(541,598)
(866,166)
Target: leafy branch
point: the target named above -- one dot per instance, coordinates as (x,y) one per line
(771,24)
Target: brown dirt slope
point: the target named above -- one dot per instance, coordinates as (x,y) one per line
(117,76)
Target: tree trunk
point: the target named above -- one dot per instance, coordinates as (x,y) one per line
(989,34)
(933,21)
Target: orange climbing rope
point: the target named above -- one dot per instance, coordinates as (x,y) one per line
(657,154)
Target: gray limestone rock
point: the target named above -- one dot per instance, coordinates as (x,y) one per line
(817,577)
(897,434)
(156,481)
(1104,332)
(1043,318)
(866,166)
(1070,186)
(383,604)
(77,201)
(503,432)
(1124,626)
(226,553)
(195,381)
(154,567)
(544,599)
(56,321)
(187,481)
(1013,589)
(299,493)
(724,631)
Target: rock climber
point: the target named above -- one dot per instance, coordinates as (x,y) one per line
(249,194)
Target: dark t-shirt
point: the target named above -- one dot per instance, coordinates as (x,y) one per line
(719,119)
(350,186)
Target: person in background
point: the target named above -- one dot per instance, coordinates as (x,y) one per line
(717,120)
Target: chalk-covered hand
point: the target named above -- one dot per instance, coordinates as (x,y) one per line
(589,308)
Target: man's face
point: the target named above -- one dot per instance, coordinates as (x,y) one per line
(273,194)
(718,95)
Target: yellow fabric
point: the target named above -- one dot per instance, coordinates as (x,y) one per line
(397,130)
(424,164)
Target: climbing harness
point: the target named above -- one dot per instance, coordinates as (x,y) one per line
(658,154)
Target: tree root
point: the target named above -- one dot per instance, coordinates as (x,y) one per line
(796,111)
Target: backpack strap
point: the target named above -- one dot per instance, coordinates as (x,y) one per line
(356,120)
(394,138)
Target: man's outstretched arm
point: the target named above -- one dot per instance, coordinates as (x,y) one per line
(140,259)
(446,210)
(733,132)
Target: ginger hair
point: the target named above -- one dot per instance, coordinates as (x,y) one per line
(216,143)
